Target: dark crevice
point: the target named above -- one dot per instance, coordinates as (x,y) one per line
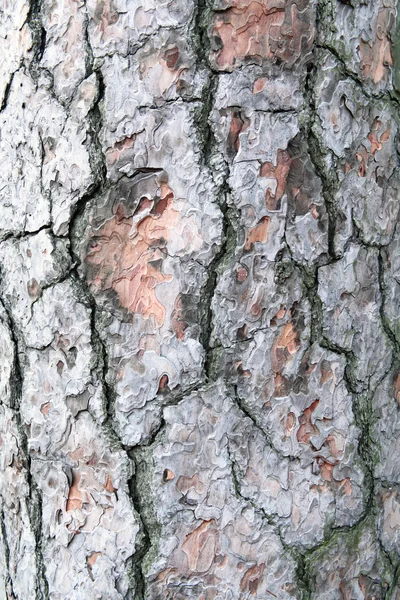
(8,583)
(395,585)
(34,20)
(303,577)
(241,404)
(145,542)
(41,45)
(7,92)
(317,154)
(208,292)
(20,235)
(219,172)
(96,155)
(34,502)
(239,494)
(89,56)
(385,322)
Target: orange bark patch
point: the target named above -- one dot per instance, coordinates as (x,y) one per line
(376,56)
(307,428)
(200,547)
(74,500)
(335,443)
(280,314)
(163,383)
(259,233)
(105,14)
(241,274)
(128,259)
(274,29)
(259,84)
(171,57)
(242,372)
(108,485)
(376,139)
(184,484)
(326,372)
(280,173)
(33,288)
(44,409)
(113,154)
(179,325)
(238,124)
(282,386)
(252,579)
(326,469)
(159,70)
(78,454)
(91,560)
(345,485)
(285,346)
(168,475)
(290,423)
(396,388)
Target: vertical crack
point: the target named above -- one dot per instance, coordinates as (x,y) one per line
(219,172)
(7,92)
(140,507)
(317,154)
(34,19)
(34,502)
(385,321)
(8,583)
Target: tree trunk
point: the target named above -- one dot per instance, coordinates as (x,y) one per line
(199,317)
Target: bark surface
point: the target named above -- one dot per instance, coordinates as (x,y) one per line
(199,300)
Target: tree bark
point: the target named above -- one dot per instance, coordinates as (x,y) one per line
(199,315)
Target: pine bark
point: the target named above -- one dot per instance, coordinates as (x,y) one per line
(199,300)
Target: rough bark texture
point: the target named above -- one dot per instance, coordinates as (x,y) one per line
(199,316)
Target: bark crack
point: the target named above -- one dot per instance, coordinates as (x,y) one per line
(35,497)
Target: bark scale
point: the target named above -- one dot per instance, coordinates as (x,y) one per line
(199,283)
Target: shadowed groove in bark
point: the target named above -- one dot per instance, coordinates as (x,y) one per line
(385,322)
(395,583)
(7,92)
(211,367)
(316,150)
(245,410)
(8,584)
(219,172)
(134,563)
(35,497)
(141,495)
(362,406)
(145,544)
(238,492)
(34,19)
